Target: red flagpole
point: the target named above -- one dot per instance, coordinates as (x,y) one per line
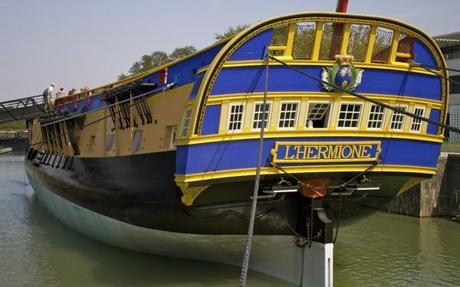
(342,6)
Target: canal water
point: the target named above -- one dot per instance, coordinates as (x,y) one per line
(37,250)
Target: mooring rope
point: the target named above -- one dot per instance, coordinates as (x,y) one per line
(247,251)
(377,102)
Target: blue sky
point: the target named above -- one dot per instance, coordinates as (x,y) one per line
(80,43)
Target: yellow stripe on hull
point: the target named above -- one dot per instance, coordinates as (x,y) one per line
(215,175)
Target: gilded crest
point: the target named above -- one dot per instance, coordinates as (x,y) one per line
(343,74)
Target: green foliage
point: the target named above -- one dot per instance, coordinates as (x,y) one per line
(230,32)
(16,125)
(156,59)
(180,53)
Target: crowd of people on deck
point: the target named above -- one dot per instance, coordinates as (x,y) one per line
(49,97)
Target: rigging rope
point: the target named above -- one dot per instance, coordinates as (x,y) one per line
(395,109)
(416,64)
(429,69)
(247,252)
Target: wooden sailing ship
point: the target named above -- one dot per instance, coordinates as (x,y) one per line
(164,162)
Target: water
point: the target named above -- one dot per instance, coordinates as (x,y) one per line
(37,250)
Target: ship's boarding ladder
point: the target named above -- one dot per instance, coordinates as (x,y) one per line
(21,109)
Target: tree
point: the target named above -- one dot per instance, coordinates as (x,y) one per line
(180,53)
(156,59)
(230,32)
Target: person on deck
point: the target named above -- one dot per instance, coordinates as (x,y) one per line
(47,94)
(60,93)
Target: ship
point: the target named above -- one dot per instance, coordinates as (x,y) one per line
(165,161)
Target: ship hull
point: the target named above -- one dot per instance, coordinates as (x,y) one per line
(275,255)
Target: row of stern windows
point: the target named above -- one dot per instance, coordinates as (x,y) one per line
(291,115)
(367,43)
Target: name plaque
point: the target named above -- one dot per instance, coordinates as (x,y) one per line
(306,152)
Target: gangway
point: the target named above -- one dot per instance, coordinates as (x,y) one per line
(21,109)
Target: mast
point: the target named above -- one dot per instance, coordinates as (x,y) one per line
(342,6)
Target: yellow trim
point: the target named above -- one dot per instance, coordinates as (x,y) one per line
(319,95)
(370,45)
(394,48)
(317,43)
(202,69)
(332,168)
(189,194)
(345,39)
(278,48)
(397,66)
(403,55)
(290,40)
(306,133)
(410,183)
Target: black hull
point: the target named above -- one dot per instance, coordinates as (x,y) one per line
(140,190)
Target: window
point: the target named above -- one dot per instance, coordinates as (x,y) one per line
(304,38)
(404,50)
(137,140)
(186,122)
(172,141)
(397,120)
(169,140)
(357,43)
(288,115)
(236,117)
(416,125)
(318,115)
(258,112)
(109,142)
(349,115)
(279,40)
(382,45)
(331,41)
(375,117)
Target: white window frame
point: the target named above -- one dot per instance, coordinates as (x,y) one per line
(382,121)
(361,111)
(173,138)
(403,119)
(295,118)
(328,114)
(230,115)
(269,112)
(417,121)
(186,120)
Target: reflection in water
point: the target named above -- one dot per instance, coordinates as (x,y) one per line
(37,250)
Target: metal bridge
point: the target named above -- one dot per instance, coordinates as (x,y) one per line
(21,109)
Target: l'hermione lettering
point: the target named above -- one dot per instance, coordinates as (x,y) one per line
(335,151)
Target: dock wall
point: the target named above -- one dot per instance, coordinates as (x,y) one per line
(438,196)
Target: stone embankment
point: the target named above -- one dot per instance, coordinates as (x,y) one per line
(438,196)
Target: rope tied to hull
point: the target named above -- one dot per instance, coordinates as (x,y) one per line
(263,122)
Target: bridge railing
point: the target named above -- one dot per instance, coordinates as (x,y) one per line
(21,109)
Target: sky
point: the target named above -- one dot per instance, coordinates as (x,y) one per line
(89,42)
